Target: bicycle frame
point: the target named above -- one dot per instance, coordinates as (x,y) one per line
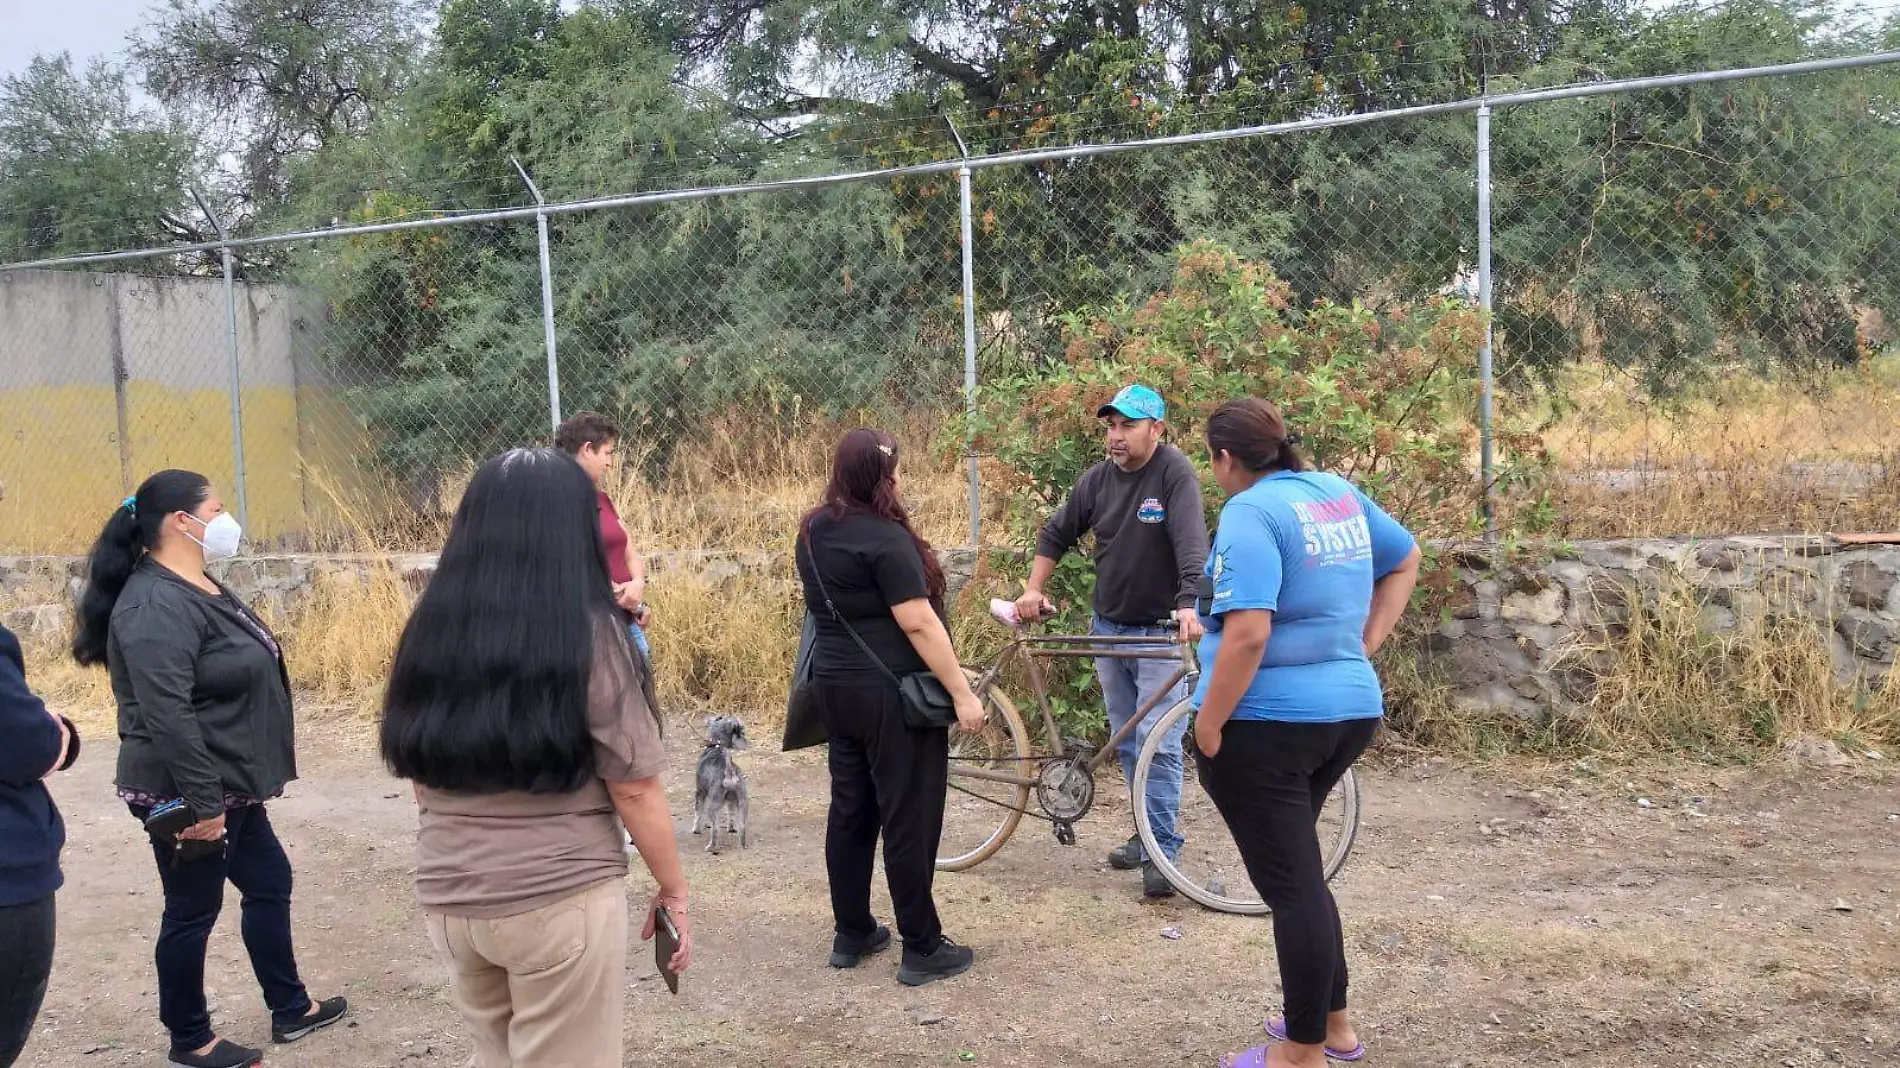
(1032,648)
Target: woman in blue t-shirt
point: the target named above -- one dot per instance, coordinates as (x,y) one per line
(1308,578)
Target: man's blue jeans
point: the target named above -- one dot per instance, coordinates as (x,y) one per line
(1128,685)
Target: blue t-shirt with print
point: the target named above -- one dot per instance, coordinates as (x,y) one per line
(1306,546)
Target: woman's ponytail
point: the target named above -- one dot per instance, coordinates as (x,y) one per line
(130,530)
(1290,458)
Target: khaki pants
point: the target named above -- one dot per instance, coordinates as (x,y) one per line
(544,989)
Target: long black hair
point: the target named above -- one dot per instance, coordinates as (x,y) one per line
(130,531)
(489,688)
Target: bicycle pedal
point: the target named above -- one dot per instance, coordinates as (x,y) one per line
(1065,833)
(1078,747)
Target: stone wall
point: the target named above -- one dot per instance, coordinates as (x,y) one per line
(1507,637)
(1514,637)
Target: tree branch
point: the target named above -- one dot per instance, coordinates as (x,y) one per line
(964,74)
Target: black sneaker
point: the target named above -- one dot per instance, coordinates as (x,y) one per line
(946,960)
(1153,883)
(846,951)
(223,1055)
(328,1012)
(1127,856)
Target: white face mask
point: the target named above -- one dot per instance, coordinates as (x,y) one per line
(222,536)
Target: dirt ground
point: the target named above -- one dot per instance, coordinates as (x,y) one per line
(1503,915)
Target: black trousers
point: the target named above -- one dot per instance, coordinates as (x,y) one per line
(26,947)
(884,777)
(253,861)
(1270,781)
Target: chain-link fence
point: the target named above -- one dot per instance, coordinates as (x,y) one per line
(1690,280)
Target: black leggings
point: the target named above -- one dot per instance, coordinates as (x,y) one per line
(1270,781)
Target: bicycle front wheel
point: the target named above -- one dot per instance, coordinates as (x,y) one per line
(979,814)
(1208,869)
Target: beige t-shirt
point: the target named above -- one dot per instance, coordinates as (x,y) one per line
(485,856)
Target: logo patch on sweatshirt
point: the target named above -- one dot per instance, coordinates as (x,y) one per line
(1151,511)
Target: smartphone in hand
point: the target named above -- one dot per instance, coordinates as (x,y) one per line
(666,942)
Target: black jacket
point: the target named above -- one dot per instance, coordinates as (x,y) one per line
(204,705)
(31,832)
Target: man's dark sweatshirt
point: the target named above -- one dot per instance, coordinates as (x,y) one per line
(31,832)
(1150,535)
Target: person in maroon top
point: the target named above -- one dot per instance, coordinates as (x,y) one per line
(591,439)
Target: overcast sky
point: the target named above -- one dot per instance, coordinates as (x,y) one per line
(86,28)
(89,28)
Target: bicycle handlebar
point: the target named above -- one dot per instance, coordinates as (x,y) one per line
(1005,612)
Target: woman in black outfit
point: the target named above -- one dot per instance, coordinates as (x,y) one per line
(204,718)
(886,583)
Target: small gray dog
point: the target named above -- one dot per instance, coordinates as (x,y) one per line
(720,784)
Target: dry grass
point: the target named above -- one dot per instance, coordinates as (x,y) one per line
(743,486)
(1671,681)
(83,694)
(341,639)
(1743,453)
(724,645)
(1676,677)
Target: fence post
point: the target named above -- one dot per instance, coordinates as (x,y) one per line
(236,388)
(1485,469)
(547,296)
(969,340)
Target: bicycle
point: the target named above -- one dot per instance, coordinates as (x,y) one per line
(990,771)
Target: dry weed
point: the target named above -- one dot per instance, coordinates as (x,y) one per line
(1741,453)
(724,644)
(742,486)
(1673,680)
(341,639)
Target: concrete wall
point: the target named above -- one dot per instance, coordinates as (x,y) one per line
(106,378)
(1507,640)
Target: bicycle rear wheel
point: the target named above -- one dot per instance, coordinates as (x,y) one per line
(980,814)
(1208,869)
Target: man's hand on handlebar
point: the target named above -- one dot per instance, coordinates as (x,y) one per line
(1189,622)
(1033,606)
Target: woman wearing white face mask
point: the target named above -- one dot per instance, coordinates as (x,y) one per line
(205,724)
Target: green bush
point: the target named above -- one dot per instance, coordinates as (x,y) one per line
(1385,400)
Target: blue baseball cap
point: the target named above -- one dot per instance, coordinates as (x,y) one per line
(1136,402)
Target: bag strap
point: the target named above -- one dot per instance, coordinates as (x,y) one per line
(811,557)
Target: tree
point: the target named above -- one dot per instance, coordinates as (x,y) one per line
(1676,232)
(281,77)
(83,169)
(666,314)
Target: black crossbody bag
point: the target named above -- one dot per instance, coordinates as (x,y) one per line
(926,703)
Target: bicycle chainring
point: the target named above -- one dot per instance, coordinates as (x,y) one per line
(1066,789)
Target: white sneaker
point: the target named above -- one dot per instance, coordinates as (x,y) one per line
(631,848)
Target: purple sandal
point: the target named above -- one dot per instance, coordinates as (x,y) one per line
(1276,1030)
(1253,1058)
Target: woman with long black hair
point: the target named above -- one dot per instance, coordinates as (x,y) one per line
(515,705)
(205,733)
(858,554)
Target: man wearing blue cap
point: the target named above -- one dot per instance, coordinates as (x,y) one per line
(1143,504)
